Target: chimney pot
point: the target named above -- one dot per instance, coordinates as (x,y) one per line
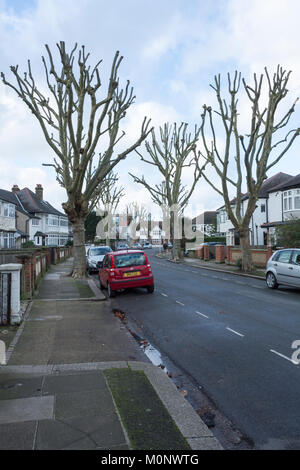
(15,188)
(39,192)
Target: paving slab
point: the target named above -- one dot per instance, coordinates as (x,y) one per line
(26,409)
(24,387)
(17,436)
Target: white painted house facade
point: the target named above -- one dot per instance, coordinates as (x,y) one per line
(278,202)
(25,215)
(8,228)
(47,225)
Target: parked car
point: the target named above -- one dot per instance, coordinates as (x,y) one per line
(87,246)
(147,245)
(126,270)
(136,246)
(284,268)
(122,246)
(95,256)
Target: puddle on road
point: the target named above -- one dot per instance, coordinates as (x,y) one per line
(154,356)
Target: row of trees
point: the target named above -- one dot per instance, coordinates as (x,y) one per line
(82,127)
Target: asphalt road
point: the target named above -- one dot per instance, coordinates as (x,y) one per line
(233,336)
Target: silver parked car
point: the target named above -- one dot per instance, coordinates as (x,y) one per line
(284,268)
(95,256)
(137,246)
(147,245)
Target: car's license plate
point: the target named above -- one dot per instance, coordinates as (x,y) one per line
(133,273)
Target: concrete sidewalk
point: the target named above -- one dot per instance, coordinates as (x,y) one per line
(76,379)
(213,266)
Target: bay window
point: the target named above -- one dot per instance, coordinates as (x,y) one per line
(291,200)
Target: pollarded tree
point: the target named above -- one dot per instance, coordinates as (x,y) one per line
(249,157)
(175,151)
(75,120)
(109,200)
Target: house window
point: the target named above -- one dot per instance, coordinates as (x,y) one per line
(52,240)
(52,220)
(291,200)
(63,222)
(35,222)
(9,210)
(7,240)
(263,208)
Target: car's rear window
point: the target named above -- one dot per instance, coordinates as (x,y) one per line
(130,259)
(99,251)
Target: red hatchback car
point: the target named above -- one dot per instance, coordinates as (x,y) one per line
(125,269)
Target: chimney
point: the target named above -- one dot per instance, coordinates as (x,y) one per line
(39,192)
(15,188)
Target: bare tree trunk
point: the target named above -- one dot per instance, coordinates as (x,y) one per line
(79,263)
(176,249)
(173,233)
(247,264)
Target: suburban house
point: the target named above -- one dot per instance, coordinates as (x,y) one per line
(284,204)
(25,215)
(278,201)
(8,227)
(157,234)
(205,223)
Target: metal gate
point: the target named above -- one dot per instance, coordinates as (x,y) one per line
(5,289)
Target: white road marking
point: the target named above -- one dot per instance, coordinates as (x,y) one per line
(202,314)
(180,303)
(284,357)
(258,287)
(235,332)
(165,295)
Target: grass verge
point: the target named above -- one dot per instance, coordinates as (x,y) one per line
(84,289)
(146,420)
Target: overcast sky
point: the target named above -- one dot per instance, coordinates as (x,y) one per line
(171,49)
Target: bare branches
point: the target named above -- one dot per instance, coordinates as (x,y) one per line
(171,154)
(251,153)
(248,156)
(109,195)
(75,103)
(74,118)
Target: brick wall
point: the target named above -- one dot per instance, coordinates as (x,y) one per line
(35,263)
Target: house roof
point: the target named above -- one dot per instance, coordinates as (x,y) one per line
(273,183)
(33,205)
(291,182)
(10,197)
(233,201)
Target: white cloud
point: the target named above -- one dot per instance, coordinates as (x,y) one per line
(172,50)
